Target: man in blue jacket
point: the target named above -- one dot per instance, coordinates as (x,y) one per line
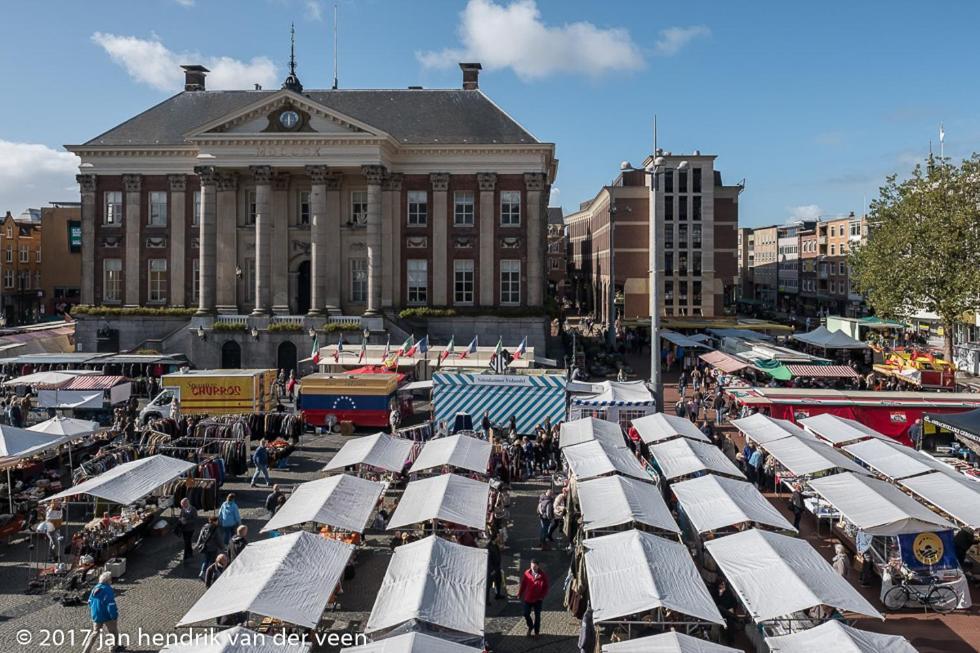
(229,519)
(105,614)
(261,460)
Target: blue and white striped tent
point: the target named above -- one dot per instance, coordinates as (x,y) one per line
(531,398)
(605,400)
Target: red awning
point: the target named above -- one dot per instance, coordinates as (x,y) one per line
(724,362)
(822,371)
(93,382)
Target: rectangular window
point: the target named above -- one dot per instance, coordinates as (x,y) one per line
(668,236)
(418,281)
(833,250)
(158,209)
(10,254)
(668,292)
(696,236)
(463,282)
(696,264)
(682,181)
(358,280)
(10,231)
(418,208)
(682,235)
(196,281)
(250,207)
(8,278)
(841,268)
(510,282)
(510,208)
(832,231)
(248,275)
(111,281)
(25,255)
(696,208)
(668,207)
(303,204)
(668,181)
(196,214)
(463,211)
(696,293)
(24,280)
(358,207)
(682,264)
(682,291)
(113,214)
(37,255)
(37,280)
(682,208)
(696,179)
(157,281)
(669,263)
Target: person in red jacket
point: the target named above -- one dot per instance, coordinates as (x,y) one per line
(533,589)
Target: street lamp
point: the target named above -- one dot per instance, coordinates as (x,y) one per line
(653,170)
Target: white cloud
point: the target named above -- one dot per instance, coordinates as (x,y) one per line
(150,62)
(32,175)
(314,10)
(673,39)
(555,199)
(514,36)
(185,3)
(806,212)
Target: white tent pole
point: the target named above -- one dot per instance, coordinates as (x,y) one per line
(10,492)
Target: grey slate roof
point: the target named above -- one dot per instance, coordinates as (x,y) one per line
(411,116)
(555,215)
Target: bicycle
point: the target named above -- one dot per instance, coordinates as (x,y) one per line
(940,598)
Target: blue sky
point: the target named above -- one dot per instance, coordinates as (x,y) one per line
(811,103)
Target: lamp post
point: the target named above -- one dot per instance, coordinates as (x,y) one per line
(653,170)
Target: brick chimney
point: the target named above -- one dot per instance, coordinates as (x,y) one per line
(194,77)
(471,75)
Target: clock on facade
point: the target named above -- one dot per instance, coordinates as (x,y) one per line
(289,119)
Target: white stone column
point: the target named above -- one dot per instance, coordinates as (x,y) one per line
(393,203)
(318,237)
(335,275)
(208,242)
(227,235)
(87,185)
(440,235)
(536,241)
(133,185)
(488,217)
(263,236)
(374,175)
(178,238)
(280,244)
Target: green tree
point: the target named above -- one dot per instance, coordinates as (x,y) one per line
(923,246)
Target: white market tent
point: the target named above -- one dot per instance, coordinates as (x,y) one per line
(660,426)
(341,501)
(40,379)
(776,575)
(289,578)
(615,500)
(826,339)
(449,497)
(714,502)
(413,642)
(129,482)
(669,642)
(459,451)
(680,457)
(235,640)
(877,507)
(435,582)
(804,457)
(380,450)
(957,497)
(834,637)
(610,397)
(840,430)
(587,429)
(763,429)
(17,443)
(66,426)
(592,459)
(633,571)
(893,460)
(681,340)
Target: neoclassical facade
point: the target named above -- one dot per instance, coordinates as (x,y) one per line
(293,202)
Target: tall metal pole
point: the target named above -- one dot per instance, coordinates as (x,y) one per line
(656,379)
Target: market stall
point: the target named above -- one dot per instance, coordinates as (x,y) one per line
(839,430)
(234,640)
(290,578)
(671,642)
(26,482)
(460,452)
(532,398)
(436,585)
(823,338)
(799,458)
(342,502)
(594,458)
(720,505)
(836,637)
(66,426)
(762,429)
(378,452)
(660,427)
(87,395)
(412,643)
(585,429)
(965,427)
(450,498)
(682,457)
(620,402)
(955,495)
(613,501)
(724,362)
(893,461)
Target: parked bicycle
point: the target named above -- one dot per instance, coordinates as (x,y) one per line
(940,598)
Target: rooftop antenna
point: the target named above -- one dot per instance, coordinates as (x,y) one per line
(292,49)
(335,46)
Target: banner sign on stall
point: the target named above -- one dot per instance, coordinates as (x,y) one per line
(926,551)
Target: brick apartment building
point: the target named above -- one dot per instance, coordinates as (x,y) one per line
(20,268)
(61,252)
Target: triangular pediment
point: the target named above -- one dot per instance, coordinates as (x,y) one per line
(303,116)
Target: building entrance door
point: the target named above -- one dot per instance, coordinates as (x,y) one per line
(286,357)
(303,288)
(231,356)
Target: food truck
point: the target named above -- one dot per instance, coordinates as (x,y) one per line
(364,397)
(213,392)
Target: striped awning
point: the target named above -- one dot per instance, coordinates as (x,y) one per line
(823,371)
(530,398)
(724,362)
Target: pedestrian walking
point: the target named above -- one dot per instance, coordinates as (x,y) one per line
(532,590)
(187,523)
(546,513)
(104,613)
(682,384)
(207,544)
(229,519)
(238,543)
(495,574)
(215,569)
(840,562)
(260,458)
(755,462)
(272,501)
(796,505)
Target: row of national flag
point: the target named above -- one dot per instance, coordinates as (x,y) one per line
(410,347)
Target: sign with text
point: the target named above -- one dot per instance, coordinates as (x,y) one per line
(74,236)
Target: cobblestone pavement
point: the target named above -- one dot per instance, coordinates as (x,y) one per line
(158,588)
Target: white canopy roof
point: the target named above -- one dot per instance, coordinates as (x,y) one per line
(65,426)
(586,429)
(837,430)
(616,393)
(893,460)
(822,337)
(660,426)
(130,481)
(956,495)
(235,640)
(412,643)
(289,578)
(448,497)
(877,507)
(40,378)
(436,582)
(776,575)
(803,457)
(460,451)
(591,459)
(669,642)
(713,502)
(341,501)
(18,443)
(633,571)
(614,500)
(834,637)
(680,456)
(763,429)
(379,450)
(681,340)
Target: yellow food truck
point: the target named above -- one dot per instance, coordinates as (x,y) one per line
(213,392)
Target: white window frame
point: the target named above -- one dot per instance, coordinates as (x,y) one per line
(464,208)
(156,215)
(358,207)
(112,211)
(156,281)
(417,281)
(25,254)
(196,209)
(37,252)
(196,280)
(358,280)
(112,270)
(304,210)
(250,206)
(464,282)
(510,282)
(417,208)
(510,208)
(10,254)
